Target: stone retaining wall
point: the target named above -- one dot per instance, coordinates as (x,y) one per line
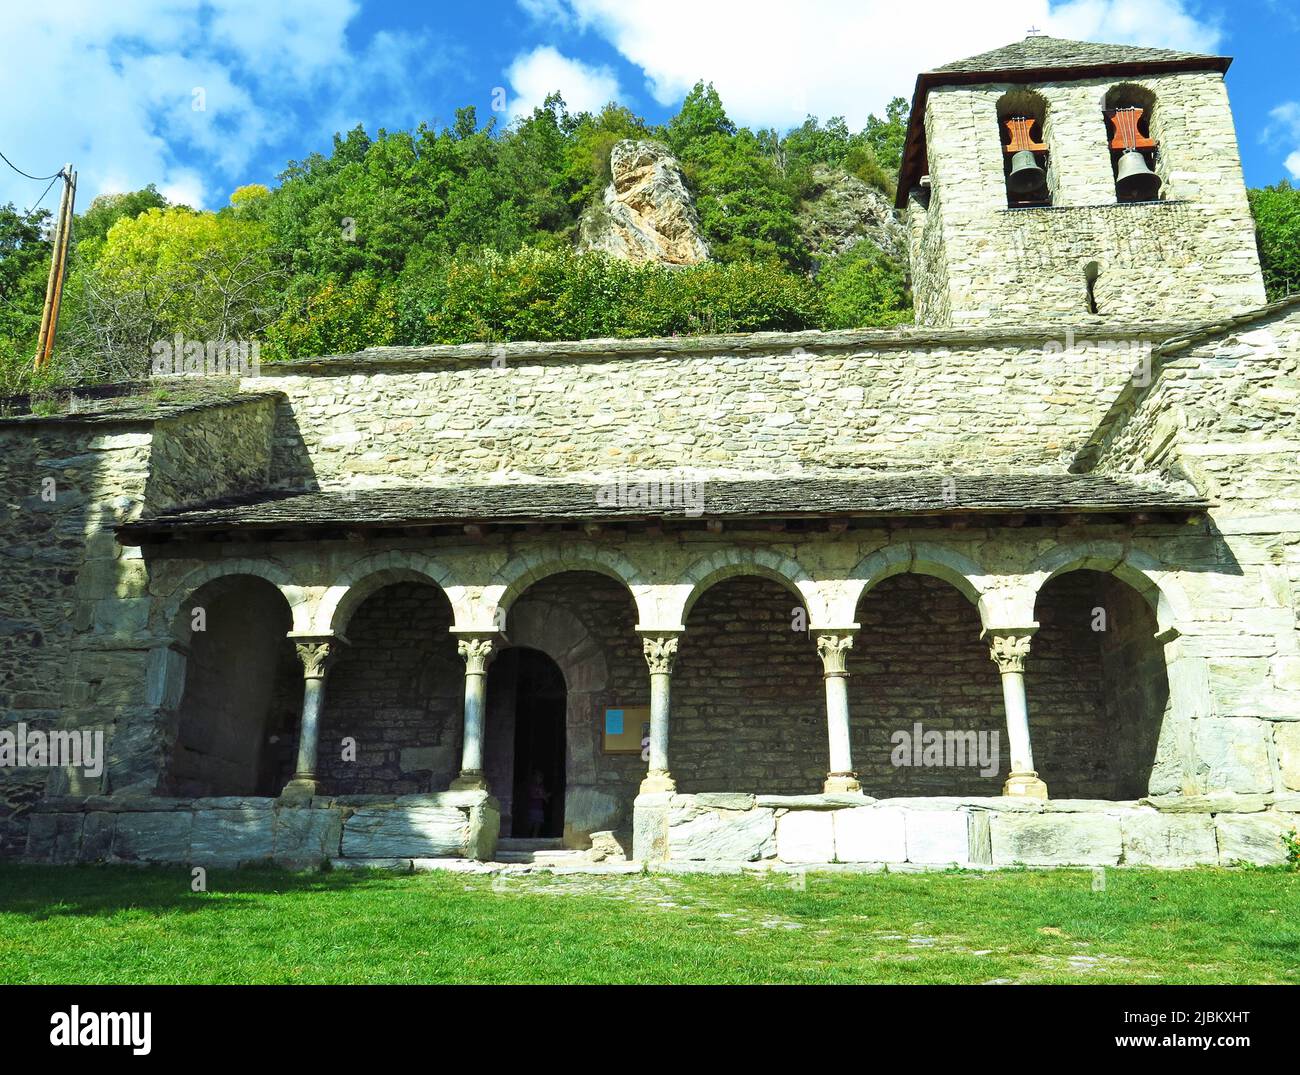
(226,832)
(968,832)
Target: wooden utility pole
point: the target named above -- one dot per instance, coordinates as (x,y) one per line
(58,269)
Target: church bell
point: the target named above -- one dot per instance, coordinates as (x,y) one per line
(1026,175)
(1134,178)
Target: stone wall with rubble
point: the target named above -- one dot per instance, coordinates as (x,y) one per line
(744,406)
(1191,256)
(74,604)
(1225,413)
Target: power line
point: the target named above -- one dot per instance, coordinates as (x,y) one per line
(42,197)
(25,175)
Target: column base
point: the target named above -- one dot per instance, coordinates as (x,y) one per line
(840,782)
(469,781)
(657,782)
(1025,786)
(300,789)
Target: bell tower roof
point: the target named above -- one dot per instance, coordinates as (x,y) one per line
(1037,58)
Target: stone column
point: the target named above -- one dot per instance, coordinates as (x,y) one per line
(833,647)
(1008,647)
(317,653)
(660,648)
(477,649)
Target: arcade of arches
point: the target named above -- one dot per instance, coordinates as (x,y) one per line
(413,706)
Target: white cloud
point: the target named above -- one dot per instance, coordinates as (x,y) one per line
(774,62)
(1284,127)
(111,87)
(534,75)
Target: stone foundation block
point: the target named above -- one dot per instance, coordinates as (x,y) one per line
(1155,839)
(97,837)
(1253,838)
(1055,839)
(307,835)
(406,832)
(742,836)
(229,837)
(805,836)
(870,834)
(161,837)
(936,837)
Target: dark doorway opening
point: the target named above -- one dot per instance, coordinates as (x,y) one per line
(540,701)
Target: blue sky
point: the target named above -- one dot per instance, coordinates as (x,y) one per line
(201,97)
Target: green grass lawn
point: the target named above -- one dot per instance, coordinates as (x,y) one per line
(120,924)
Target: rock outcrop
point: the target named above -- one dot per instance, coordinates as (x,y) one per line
(646,213)
(844,211)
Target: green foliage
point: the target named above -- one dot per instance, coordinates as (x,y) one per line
(1291,844)
(1277,227)
(208,276)
(447,235)
(24,269)
(337,318)
(863,287)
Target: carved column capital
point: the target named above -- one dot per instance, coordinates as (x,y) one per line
(660,649)
(477,651)
(317,653)
(1009,646)
(833,648)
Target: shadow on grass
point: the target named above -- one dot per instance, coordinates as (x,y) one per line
(42,892)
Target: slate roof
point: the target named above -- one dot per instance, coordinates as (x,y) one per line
(789,498)
(1041,51)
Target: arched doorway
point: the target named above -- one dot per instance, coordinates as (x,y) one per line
(1098,688)
(236,724)
(527,708)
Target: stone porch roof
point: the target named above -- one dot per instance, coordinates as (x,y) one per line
(656,499)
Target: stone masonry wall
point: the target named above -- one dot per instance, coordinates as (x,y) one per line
(808,403)
(74,604)
(1223,412)
(1191,256)
(396,690)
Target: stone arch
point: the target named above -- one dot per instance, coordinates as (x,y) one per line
(1136,95)
(766,563)
(372,573)
(517,574)
(272,571)
(922,558)
(556,621)
(1020,101)
(1144,573)
(226,694)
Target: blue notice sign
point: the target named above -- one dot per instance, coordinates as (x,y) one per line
(613,722)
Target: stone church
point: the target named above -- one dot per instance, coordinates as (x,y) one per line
(1018,583)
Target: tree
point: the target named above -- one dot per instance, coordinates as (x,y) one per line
(108,209)
(209,276)
(1277,228)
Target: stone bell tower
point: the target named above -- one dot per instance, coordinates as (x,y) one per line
(1063,181)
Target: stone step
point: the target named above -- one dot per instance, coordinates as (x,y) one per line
(522,843)
(541,857)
